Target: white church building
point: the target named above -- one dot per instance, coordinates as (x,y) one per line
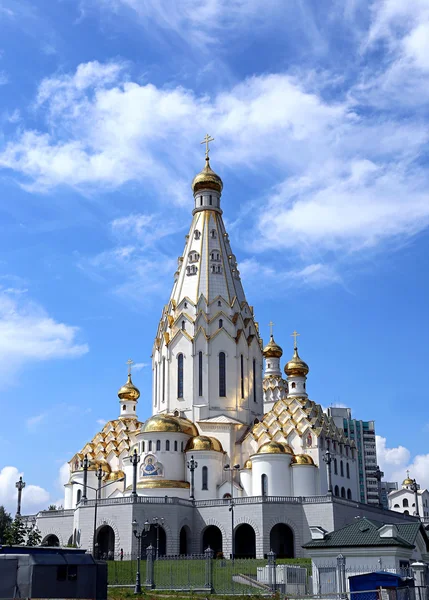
(219,398)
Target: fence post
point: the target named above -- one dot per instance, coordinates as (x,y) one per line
(209,569)
(419,574)
(149,568)
(341,569)
(272,570)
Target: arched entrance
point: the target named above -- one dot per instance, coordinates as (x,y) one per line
(212,537)
(157,538)
(245,541)
(281,541)
(51,540)
(105,542)
(184,541)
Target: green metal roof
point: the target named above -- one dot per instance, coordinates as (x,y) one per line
(365,532)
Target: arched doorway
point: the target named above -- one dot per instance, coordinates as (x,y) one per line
(281,541)
(51,540)
(105,542)
(212,537)
(184,540)
(157,538)
(245,541)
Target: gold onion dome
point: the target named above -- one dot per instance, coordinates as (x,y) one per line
(129,391)
(169,423)
(302,459)
(407,481)
(273,448)
(272,350)
(207,179)
(296,366)
(203,442)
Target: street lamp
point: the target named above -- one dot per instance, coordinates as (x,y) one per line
(143,533)
(328,460)
(414,487)
(192,465)
(20,485)
(157,522)
(232,470)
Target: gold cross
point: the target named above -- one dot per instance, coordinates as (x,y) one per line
(271,328)
(295,334)
(129,363)
(208,138)
(408,474)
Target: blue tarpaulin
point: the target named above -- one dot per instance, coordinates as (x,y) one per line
(374,581)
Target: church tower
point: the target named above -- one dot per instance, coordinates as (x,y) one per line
(274,386)
(207,357)
(296,370)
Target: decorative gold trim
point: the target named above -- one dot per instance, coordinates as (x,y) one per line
(161,483)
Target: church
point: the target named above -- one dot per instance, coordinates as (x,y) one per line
(235,456)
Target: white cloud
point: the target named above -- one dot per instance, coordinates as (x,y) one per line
(64,475)
(33,422)
(101,422)
(396,461)
(140,366)
(29,334)
(34,497)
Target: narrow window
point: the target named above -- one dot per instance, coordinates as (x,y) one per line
(79,495)
(349,494)
(343,492)
(180,376)
(254,380)
(220,323)
(210,200)
(405,502)
(335,466)
(201,200)
(163,379)
(124,407)
(175,446)
(348,470)
(293,385)
(337,490)
(167,445)
(150,445)
(205,479)
(181,446)
(143,445)
(185,305)
(158,445)
(222,378)
(183,325)
(219,303)
(242,375)
(264,485)
(341,469)
(200,373)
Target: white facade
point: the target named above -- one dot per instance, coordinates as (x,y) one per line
(404,500)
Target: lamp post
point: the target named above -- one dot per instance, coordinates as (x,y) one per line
(157,522)
(85,465)
(232,470)
(134,459)
(328,460)
(378,474)
(143,533)
(414,487)
(20,485)
(192,465)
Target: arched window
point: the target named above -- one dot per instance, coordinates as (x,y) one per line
(254,380)
(220,323)
(134,408)
(343,492)
(200,373)
(181,446)
(406,512)
(335,466)
(158,445)
(124,407)
(150,445)
(197,234)
(348,470)
(183,325)
(264,485)
(205,485)
(293,385)
(405,502)
(175,446)
(163,379)
(349,494)
(242,375)
(219,303)
(396,506)
(222,375)
(167,445)
(143,445)
(201,200)
(79,495)
(347,450)
(210,200)
(341,469)
(180,376)
(337,490)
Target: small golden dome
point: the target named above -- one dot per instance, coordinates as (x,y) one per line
(248,464)
(302,459)
(129,391)
(207,179)
(407,481)
(272,448)
(170,423)
(203,442)
(272,350)
(296,366)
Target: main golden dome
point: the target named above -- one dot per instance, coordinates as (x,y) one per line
(164,422)
(203,442)
(207,179)
(272,350)
(407,481)
(296,367)
(129,391)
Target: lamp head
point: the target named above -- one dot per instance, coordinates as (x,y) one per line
(146,526)
(226,467)
(236,466)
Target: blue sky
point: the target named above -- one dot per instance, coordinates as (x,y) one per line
(319,113)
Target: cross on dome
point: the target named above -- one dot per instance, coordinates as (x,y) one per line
(271,324)
(130,362)
(207,139)
(295,334)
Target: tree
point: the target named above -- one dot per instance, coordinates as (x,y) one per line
(34,537)
(5,522)
(52,507)
(16,533)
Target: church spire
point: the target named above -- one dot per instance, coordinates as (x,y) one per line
(296,370)
(128,396)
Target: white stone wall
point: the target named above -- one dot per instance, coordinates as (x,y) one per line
(276,468)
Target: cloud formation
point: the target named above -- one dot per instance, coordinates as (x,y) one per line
(34,497)
(396,461)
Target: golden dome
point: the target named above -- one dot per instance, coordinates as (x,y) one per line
(129,391)
(272,448)
(101,462)
(207,179)
(296,366)
(287,448)
(248,464)
(115,475)
(272,350)
(302,459)
(407,481)
(170,423)
(203,442)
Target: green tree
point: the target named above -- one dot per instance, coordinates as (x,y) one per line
(16,533)
(5,522)
(52,507)
(34,537)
